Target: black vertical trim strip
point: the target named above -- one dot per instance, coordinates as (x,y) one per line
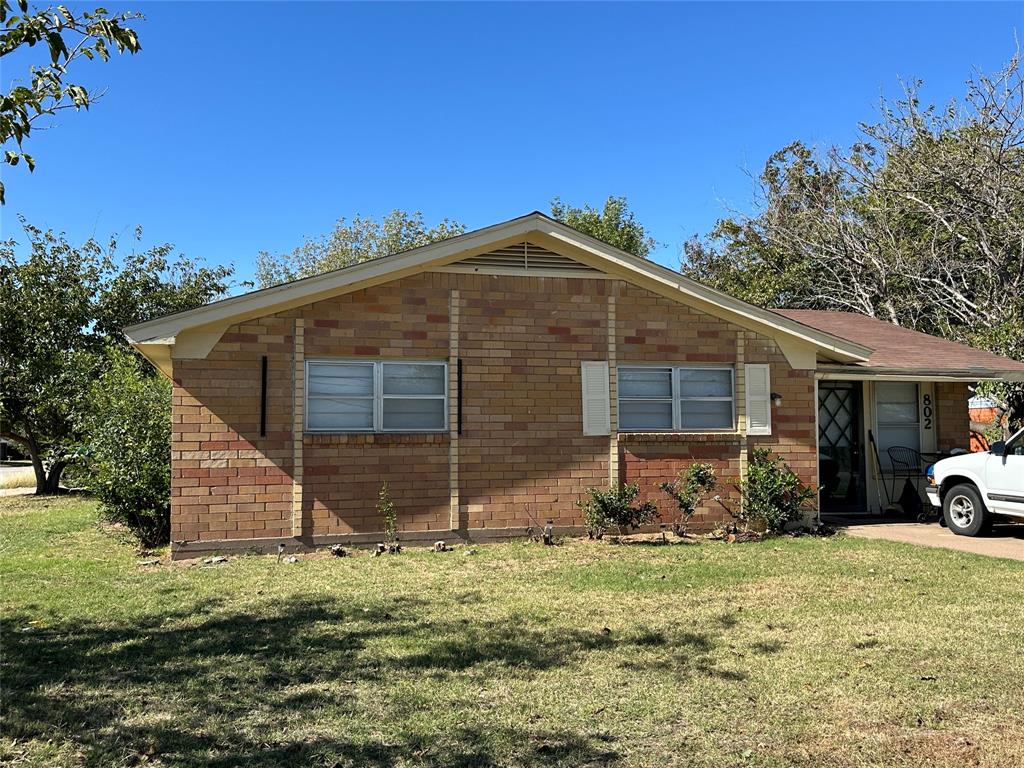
(458,396)
(263,397)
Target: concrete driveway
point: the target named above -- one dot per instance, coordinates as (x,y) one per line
(1004,541)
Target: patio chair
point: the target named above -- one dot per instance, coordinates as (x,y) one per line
(906,463)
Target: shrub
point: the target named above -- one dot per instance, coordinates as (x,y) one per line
(386,509)
(615,508)
(688,490)
(772,492)
(127,449)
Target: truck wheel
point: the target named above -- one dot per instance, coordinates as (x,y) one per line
(965,512)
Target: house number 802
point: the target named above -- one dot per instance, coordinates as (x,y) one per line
(926,411)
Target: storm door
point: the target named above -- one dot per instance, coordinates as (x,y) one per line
(840,446)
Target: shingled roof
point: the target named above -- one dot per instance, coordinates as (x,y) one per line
(903,352)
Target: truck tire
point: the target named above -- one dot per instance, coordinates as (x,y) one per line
(964,511)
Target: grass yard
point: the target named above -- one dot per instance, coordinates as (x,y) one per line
(808,652)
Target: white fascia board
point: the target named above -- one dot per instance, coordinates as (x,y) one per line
(860,374)
(311,289)
(711,300)
(279,298)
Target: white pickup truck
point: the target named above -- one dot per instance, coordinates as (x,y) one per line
(975,488)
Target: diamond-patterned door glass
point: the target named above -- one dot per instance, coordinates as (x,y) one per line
(835,418)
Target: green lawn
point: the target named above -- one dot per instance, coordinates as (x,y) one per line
(816,652)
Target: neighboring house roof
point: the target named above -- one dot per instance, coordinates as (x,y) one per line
(902,352)
(978,402)
(193,333)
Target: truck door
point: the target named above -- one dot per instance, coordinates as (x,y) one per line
(1004,478)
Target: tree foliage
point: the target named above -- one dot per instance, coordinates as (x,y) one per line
(64,306)
(920,223)
(351,242)
(67,38)
(126,424)
(614,224)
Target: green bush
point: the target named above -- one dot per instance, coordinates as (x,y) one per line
(615,508)
(127,450)
(693,484)
(772,492)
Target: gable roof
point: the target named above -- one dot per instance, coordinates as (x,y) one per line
(899,351)
(155,338)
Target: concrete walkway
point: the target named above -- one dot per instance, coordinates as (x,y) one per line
(1004,541)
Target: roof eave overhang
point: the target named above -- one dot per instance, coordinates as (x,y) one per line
(208,322)
(861,373)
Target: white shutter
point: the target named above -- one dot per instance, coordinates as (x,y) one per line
(597,417)
(759,399)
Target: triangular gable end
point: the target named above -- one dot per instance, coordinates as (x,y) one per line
(533,245)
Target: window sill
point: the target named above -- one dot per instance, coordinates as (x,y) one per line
(372,438)
(677,437)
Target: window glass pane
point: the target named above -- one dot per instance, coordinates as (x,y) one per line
(705,382)
(896,402)
(706,414)
(645,414)
(892,436)
(339,413)
(414,414)
(645,382)
(413,379)
(333,379)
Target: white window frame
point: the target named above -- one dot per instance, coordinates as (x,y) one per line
(677,398)
(378,396)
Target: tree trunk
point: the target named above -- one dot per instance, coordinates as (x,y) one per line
(37,467)
(47,483)
(52,482)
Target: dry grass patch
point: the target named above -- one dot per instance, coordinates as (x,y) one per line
(22,477)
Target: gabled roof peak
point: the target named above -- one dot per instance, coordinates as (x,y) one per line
(536,227)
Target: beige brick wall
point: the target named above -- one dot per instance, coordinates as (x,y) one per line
(654,329)
(952,417)
(521,458)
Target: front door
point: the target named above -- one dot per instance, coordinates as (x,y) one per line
(840,447)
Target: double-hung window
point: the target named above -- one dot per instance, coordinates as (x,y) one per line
(676,398)
(357,396)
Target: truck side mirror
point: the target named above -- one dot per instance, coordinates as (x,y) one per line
(998,448)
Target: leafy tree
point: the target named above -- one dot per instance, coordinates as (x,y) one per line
(614,224)
(919,223)
(64,305)
(352,242)
(126,424)
(68,38)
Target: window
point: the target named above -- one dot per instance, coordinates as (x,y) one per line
(677,398)
(344,396)
(898,423)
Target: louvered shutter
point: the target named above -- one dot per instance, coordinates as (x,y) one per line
(597,418)
(759,399)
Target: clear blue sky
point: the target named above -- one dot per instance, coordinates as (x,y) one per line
(246,126)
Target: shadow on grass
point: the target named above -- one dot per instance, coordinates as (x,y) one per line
(299,683)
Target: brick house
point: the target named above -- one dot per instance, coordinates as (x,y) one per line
(491,378)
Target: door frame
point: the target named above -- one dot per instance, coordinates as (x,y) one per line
(859,430)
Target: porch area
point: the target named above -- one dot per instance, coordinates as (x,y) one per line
(884,420)
(876,439)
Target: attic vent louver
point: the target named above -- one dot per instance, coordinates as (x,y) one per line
(521,257)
